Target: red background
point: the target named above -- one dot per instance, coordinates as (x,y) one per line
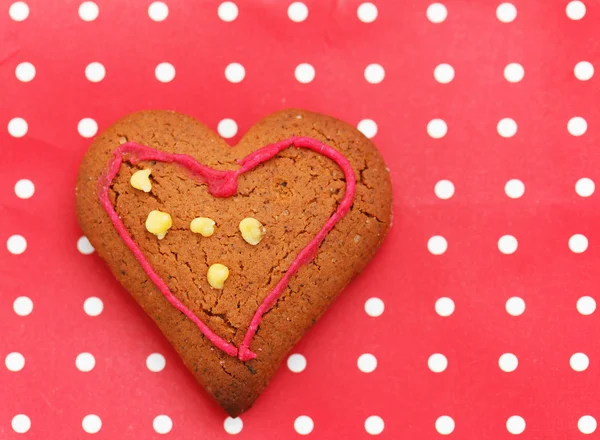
(480,397)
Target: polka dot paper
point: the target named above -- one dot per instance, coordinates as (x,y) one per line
(478,317)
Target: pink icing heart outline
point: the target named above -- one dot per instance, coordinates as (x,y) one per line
(224,184)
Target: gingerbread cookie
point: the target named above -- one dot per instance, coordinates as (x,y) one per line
(234,252)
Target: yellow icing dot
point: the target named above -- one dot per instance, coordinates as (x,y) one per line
(140,180)
(203,225)
(216,275)
(252,230)
(158,223)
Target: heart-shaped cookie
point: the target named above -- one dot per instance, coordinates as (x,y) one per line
(319,188)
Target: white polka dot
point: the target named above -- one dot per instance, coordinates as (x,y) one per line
(374,73)
(443,73)
(515,425)
(24,188)
(14,361)
(577,126)
(578,243)
(515,306)
(514,188)
(235,72)
(585,187)
(227,128)
(25,72)
(95,72)
(23,306)
(575,10)
(374,425)
(88,11)
(297,12)
(18,11)
(164,72)
(584,70)
(514,72)
(437,13)
(233,426)
(444,189)
(507,127)
(303,425)
(228,11)
(437,362)
(162,424)
(444,306)
(587,425)
(21,423)
(304,73)
(367,12)
(158,11)
(368,127)
(506,12)
(17,127)
(444,425)
(507,244)
(374,307)
(93,306)
(85,362)
(87,127)
(586,305)
(437,128)
(84,246)
(508,362)
(437,245)
(91,423)
(155,362)
(16,244)
(579,362)
(296,363)
(367,363)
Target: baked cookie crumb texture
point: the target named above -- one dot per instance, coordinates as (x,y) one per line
(221,256)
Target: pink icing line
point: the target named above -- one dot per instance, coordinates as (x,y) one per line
(224,184)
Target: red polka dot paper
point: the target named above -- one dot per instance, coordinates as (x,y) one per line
(477,319)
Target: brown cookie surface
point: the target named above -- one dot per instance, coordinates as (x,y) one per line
(292,195)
